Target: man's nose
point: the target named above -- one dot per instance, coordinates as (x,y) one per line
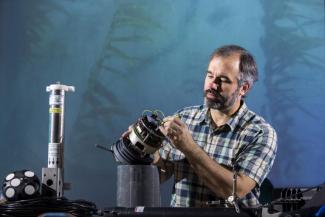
(215,84)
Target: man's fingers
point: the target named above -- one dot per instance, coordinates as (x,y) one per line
(126,133)
(172,119)
(163,130)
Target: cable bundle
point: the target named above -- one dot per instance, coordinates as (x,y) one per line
(38,206)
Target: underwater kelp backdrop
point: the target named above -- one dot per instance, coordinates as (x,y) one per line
(127,56)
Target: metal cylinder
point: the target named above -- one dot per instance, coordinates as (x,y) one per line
(138,185)
(56,123)
(53,175)
(56,120)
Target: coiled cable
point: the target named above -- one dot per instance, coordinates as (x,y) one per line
(41,205)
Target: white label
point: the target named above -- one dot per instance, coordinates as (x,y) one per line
(56,99)
(139,209)
(55,154)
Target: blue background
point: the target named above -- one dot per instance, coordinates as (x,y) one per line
(127,56)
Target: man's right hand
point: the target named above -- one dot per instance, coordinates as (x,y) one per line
(127,133)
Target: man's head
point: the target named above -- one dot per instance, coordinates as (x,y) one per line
(231,73)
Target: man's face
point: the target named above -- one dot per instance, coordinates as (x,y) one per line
(221,90)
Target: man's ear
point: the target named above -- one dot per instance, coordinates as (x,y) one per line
(244,88)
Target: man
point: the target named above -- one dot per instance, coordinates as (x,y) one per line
(207,141)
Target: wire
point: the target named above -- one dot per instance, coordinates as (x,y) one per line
(146,110)
(159,112)
(41,205)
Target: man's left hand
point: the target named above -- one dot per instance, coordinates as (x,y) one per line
(178,133)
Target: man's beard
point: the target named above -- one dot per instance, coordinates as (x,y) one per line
(221,103)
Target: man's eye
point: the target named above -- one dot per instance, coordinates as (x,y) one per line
(224,80)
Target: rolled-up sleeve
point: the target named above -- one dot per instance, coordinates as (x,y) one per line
(257,158)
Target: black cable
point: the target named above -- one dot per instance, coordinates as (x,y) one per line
(38,206)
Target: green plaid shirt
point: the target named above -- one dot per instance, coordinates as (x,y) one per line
(246,137)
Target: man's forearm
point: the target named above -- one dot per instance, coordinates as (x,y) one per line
(216,177)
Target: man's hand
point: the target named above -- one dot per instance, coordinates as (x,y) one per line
(178,133)
(127,133)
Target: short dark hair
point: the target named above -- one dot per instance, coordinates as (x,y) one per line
(247,65)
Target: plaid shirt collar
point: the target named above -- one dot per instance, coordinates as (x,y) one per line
(205,117)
